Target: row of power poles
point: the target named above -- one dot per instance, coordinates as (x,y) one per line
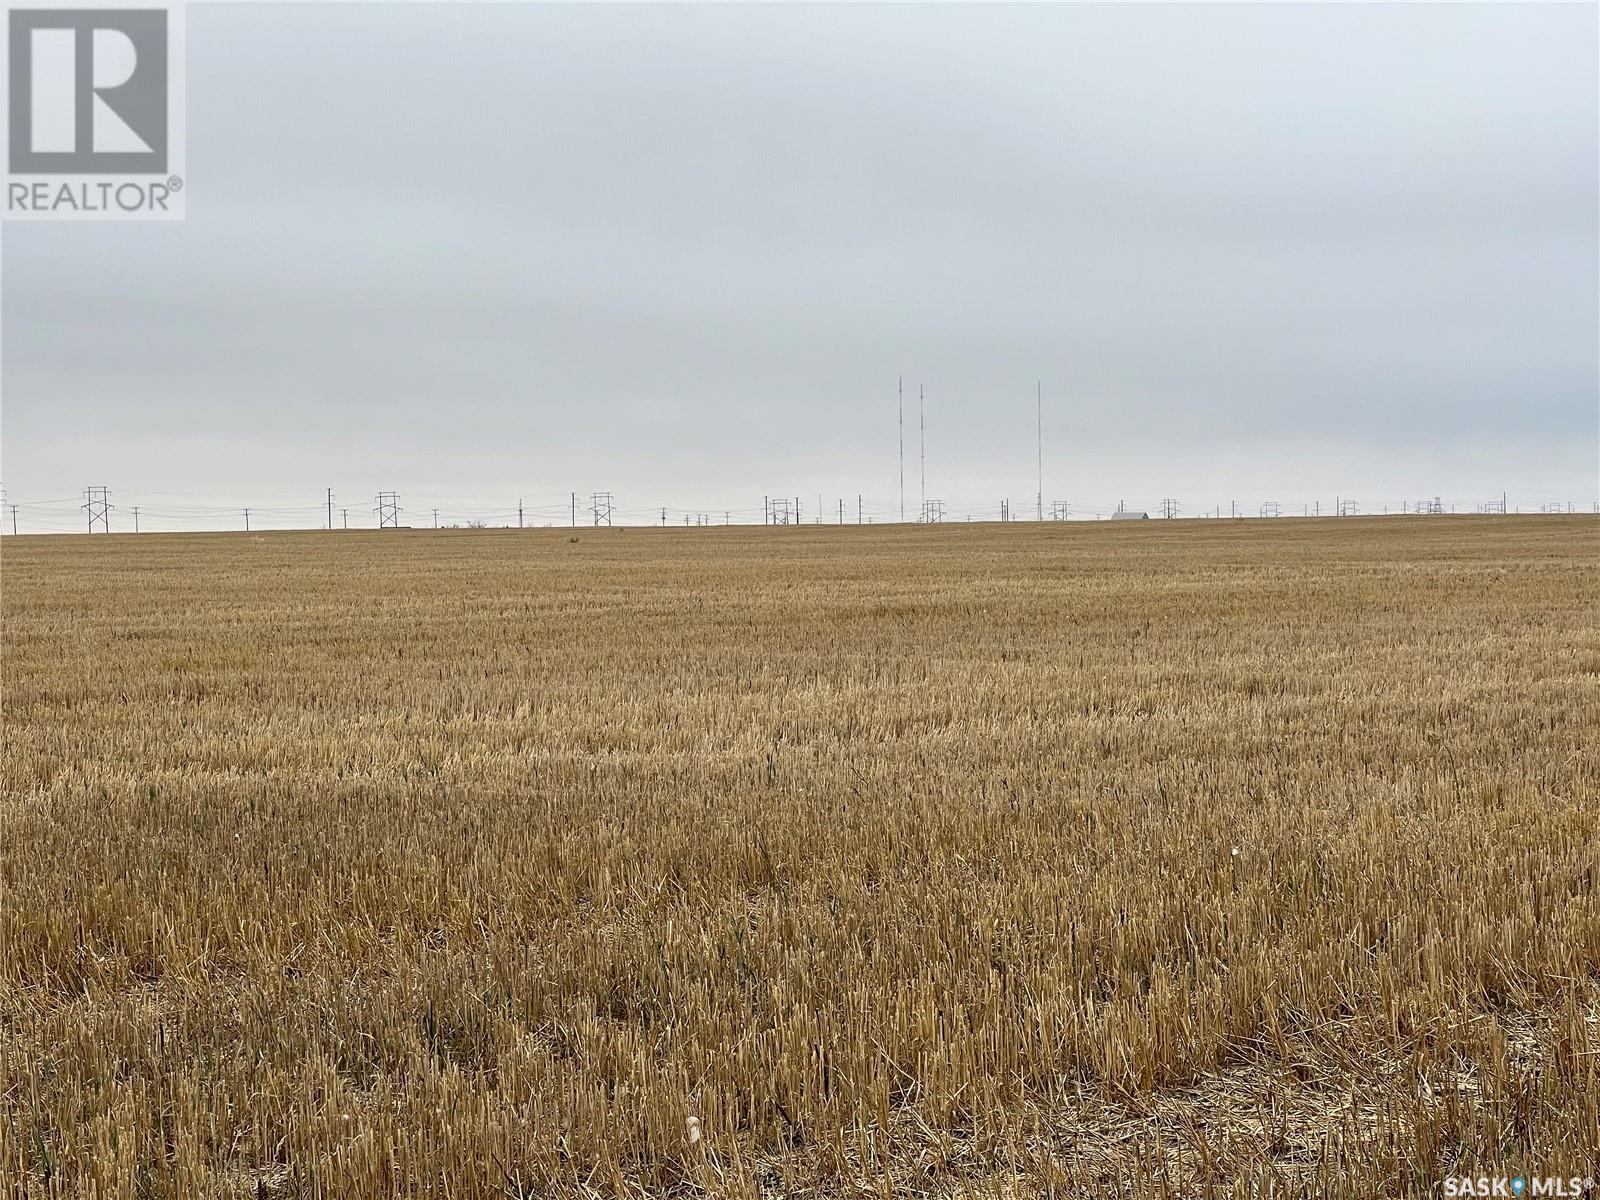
(782,510)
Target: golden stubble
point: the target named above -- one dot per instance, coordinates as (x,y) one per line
(1197,858)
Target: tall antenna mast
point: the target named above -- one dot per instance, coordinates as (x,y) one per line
(1038,412)
(922,441)
(900,391)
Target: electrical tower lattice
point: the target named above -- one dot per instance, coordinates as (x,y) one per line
(387,506)
(97,503)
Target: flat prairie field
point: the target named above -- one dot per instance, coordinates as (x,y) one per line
(1188,858)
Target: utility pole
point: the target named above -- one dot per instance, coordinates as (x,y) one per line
(13,520)
(519,512)
(841,510)
(858,508)
(600,509)
(135,520)
(330,508)
(345,513)
(436,518)
(574,510)
(247,520)
(1038,412)
(901,391)
(1169,508)
(663,518)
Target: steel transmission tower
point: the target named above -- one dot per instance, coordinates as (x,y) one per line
(97,503)
(387,506)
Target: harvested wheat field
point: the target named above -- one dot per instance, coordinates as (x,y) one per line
(1189,858)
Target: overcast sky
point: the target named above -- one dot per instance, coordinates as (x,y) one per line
(683,254)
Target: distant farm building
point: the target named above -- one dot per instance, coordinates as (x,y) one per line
(1129,514)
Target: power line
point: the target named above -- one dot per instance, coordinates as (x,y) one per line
(93,507)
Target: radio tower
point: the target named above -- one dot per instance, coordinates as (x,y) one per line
(1038,414)
(922,442)
(900,391)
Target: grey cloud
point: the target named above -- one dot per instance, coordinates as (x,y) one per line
(684,252)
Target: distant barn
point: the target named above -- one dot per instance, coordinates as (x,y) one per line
(1129,514)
